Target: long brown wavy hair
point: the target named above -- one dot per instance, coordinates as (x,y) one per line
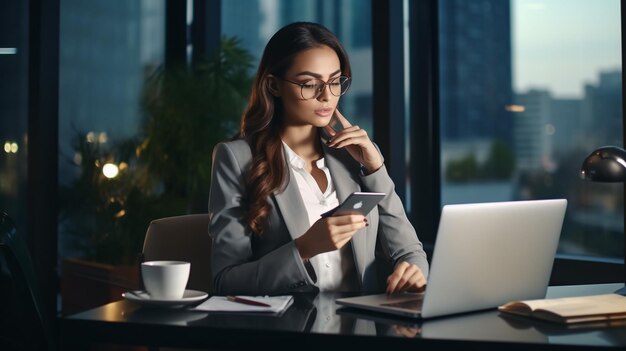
(263,118)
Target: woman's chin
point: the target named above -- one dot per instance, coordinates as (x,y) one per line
(322,121)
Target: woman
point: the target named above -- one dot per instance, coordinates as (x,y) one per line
(287,166)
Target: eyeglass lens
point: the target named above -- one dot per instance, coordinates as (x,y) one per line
(313,88)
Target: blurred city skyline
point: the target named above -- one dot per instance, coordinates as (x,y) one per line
(561,45)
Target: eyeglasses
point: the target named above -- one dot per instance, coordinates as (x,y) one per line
(313,88)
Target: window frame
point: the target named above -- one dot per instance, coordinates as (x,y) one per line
(42,158)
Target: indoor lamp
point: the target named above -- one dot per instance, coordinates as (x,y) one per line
(606,164)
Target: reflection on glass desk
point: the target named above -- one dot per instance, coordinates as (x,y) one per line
(317,321)
(494,326)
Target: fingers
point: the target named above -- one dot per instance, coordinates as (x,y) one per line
(348,228)
(343,232)
(396,278)
(343,120)
(413,283)
(330,130)
(406,277)
(342,228)
(347,219)
(349,136)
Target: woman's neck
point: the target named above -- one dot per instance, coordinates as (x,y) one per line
(304,141)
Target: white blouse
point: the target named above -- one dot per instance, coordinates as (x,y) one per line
(335,269)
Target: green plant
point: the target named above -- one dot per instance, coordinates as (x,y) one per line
(499,165)
(190,110)
(163,172)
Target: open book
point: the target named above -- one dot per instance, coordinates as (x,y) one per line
(571,309)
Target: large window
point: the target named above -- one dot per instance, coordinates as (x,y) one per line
(255,21)
(527,90)
(143,98)
(109,54)
(108,50)
(13,110)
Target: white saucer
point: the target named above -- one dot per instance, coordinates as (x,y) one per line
(141,296)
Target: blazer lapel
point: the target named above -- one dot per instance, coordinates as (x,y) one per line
(343,180)
(292,208)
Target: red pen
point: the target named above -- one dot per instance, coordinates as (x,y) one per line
(246,301)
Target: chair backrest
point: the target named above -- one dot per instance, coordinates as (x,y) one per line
(38,328)
(182,238)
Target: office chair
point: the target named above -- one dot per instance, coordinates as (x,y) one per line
(36,327)
(182,238)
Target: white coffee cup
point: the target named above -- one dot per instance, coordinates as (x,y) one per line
(165,280)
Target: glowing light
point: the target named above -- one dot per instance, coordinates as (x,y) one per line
(120,214)
(123,166)
(90,137)
(102,138)
(10,147)
(78,158)
(8,51)
(110,170)
(515,108)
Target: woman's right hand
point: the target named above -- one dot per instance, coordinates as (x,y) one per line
(329,234)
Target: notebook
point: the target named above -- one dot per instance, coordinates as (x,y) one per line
(485,255)
(272,304)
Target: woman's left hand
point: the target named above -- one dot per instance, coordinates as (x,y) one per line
(406,277)
(356,142)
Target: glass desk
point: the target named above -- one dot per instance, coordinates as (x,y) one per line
(315,322)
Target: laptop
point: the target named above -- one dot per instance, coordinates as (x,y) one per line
(486,254)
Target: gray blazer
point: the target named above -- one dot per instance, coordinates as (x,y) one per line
(245,263)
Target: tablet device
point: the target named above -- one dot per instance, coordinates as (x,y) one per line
(356,203)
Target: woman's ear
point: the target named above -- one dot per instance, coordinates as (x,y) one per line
(272,85)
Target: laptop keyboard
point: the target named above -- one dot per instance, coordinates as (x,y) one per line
(409,304)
